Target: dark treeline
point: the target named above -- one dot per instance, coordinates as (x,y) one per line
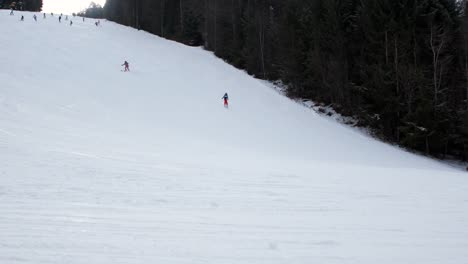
(398,66)
(93,11)
(24,5)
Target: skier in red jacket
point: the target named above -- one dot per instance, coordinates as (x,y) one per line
(226,98)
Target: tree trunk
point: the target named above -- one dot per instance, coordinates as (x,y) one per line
(427,144)
(205,35)
(215,26)
(262,47)
(386,47)
(397,79)
(466,69)
(436,49)
(233,21)
(137,14)
(181,17)
(397,88)
(163,6)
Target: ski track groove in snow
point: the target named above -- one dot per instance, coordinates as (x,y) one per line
(100,166)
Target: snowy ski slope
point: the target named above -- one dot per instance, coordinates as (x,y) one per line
(100,166)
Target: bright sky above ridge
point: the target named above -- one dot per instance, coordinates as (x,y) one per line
(68,6)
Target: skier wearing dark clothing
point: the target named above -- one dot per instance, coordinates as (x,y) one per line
(11,12)
(22,18)
(35,18)
(60,19)
(71,23)
(226,98)
(44,15)
(126,66)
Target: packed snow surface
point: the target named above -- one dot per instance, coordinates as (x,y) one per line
(101,166)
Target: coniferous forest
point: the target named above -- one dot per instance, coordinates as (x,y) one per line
(400,67)
(24,5)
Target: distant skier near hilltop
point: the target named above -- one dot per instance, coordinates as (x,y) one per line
(226,98)
(126,66)
(22,18)
(11,12)
(35,18)
(60,19)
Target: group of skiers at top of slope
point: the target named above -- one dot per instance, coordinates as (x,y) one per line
(97,23)
(225,96)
